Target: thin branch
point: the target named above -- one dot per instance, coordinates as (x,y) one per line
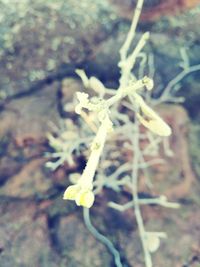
(161,201)
(104,240)
(131,34)
(167,91)
(135,174)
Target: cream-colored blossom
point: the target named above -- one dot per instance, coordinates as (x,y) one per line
(85,199)
(150,119)
(82,191)
(82,196)
(153,240)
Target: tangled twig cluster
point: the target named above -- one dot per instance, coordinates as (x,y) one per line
(104,126)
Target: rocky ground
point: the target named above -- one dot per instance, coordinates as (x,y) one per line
(41,44)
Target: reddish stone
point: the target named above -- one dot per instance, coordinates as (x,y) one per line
(153,9)
(24,239)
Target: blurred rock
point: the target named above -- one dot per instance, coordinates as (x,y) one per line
(178,176)
(27,118)
(30,181)
(43,39)
(24,125)
(24,240)
(181,227)
(175,177)
(68,89)
(79,246)
(153,9)
(8,167)
(194,145)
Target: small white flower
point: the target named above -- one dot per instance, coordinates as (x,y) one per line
(148,83)
(153,243)
(153,240)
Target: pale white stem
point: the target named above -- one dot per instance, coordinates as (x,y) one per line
(152,162)
(155,201)
(96,150)
(125,47)
(167,91)
(142,65)
(131,59)
(83,76)
(123,92)
(129,63)
(122,169)
(135,174)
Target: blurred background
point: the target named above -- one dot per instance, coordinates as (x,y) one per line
(42,42)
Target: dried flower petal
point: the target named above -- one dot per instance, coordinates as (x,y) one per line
(153,240)
(71,192)
(153,243)
(85,199)
(82,196)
